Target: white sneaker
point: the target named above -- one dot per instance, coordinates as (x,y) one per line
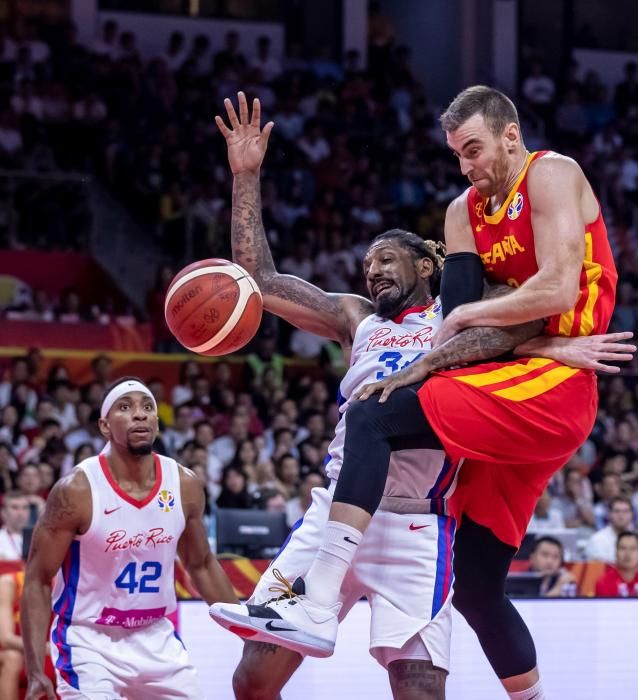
(292,621)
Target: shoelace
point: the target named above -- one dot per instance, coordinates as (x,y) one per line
(284,589)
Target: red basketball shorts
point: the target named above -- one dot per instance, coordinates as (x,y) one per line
(516,423)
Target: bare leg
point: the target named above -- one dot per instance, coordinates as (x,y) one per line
(523,681)
(263,671)
(416,680)
(12,662)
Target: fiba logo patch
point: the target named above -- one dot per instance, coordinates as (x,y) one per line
(166,500)
(515,207)
(432,312)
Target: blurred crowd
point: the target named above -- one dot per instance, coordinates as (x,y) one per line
(354,151)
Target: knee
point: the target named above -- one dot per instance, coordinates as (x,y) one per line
(471,604)
(361,415)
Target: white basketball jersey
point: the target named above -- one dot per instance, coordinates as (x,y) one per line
(120,572)
(382,346)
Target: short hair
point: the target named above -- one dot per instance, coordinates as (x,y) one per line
(623,535)
(419,248)
(547,539)
(495,107)
(621,499)
(12,496)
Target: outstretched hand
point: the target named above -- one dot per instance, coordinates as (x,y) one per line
(583,352)
(246,141)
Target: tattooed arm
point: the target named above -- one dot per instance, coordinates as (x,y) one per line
(333,316)
(67,513)
(470,345)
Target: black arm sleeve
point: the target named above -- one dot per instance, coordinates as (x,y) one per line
(461,281)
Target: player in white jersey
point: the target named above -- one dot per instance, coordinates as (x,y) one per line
(404,563)
(110,534)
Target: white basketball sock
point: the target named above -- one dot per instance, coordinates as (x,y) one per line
(323,581)
(533,693)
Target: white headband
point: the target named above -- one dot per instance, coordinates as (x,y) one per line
(120,390)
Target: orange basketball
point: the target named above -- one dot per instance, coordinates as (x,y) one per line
(213,307)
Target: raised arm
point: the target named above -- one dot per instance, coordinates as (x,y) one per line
(555,189)
(333,316)
(205,571)
(67,513)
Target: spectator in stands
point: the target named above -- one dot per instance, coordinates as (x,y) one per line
(18,374)
(29,484)
(15,516)
(230,57)
(8,466)
(205,437)
(10,432)
(609,488)
(234,493)
(547,516)
(106,44)
(183,390)
(271,501)
(576,503)
(297,506)
(86,428)
(47,477)
(626,95)
(175,53)
(602,545)
(268,66)
(64,412)
(539,90)
(10,139)
(225,447)
(547,558)
(181,431)
(288,472)
(246,458)
(621,580)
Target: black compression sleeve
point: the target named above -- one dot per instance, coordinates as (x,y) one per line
(462,280)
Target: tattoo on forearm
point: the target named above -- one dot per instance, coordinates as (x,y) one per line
(251,250)
(481,343)
(417,679)
(249,243)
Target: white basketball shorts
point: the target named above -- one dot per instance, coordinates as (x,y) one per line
(115,663)
(403,566)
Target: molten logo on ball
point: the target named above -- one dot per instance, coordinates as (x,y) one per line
(184,299)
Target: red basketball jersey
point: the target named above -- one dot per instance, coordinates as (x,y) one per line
(505,242)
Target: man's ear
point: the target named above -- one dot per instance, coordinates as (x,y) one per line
(103,425)
(425,268)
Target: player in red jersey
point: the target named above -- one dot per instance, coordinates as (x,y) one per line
(517,422)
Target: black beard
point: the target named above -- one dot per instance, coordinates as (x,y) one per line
(140,450)
(390,305)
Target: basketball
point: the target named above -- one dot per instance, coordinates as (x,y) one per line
(213,307)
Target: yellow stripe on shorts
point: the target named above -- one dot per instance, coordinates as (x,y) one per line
(538,385)
(496,376)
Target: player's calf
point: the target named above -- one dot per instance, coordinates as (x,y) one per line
(263,671)
(416,679)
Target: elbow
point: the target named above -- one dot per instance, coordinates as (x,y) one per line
(564,298)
